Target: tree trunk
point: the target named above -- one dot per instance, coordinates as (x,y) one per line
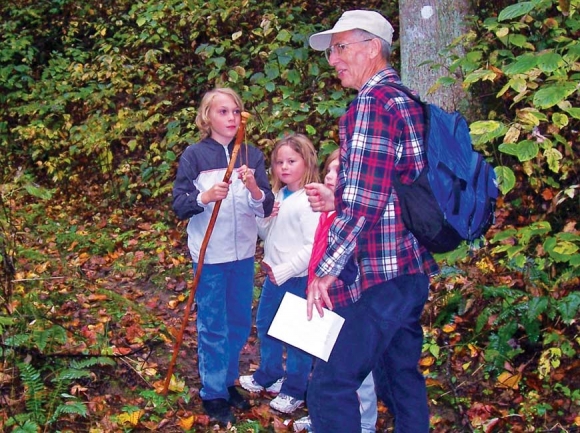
(427,27)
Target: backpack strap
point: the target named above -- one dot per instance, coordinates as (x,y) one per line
(406,91)
(423,105)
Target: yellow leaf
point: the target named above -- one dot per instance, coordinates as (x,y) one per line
(509,380)
(94,297)
(449,328)
(186,423)
(427,361)
(472,350)
(41,268)
(131,418)
(159,386)
(512,135)
(150,371)
(176,385)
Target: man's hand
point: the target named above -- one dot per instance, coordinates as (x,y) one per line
(320,196)
(317,295)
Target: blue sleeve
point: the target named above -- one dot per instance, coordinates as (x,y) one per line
(184,191)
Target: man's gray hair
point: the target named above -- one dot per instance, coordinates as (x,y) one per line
(385,46)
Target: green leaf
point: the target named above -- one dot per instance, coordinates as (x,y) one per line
(522,64)
(559,250)
(518,83)
(509,148)
(553,156)
(517,10)
(170,156)
(549,96)
(284,36)
(560,120)
(447,81)
(524,150)
(518,40)
(219,62)
(37,191)
(573,111)
(504,234)
(568,307)
(506,178)
(233,76)
(480,75)
(484,126)
(549,62)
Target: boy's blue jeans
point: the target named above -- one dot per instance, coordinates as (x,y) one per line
(298,362)
(224,320)
(382,330)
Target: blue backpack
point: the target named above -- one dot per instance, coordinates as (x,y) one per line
(453,199)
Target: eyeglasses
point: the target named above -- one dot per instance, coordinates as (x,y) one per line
(339,48)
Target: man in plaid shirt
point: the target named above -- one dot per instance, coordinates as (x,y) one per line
(380,138)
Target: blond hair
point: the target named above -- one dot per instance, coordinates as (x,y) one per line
(303,146)
(202,118)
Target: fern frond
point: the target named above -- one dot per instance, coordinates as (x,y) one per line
(70,408)
(35,390)
(54,333)
(27,426)
(90,362)
(6,322)
(71,374)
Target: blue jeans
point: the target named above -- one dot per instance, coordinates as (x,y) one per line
(367,397)
(224,321)
(382,330)
(298,362)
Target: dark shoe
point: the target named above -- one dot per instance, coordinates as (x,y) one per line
(236,400)
(219,411)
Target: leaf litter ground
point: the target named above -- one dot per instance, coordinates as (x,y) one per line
(152,295)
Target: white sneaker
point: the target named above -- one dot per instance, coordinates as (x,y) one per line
(249,384)
(303,424)
(286,404)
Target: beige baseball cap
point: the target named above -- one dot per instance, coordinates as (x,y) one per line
(370,21)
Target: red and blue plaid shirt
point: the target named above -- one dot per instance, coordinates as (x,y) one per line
(381,136)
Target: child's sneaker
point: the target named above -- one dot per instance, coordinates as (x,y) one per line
(303,424)
(249,384)
(286,404)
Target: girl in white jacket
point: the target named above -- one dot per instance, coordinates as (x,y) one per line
(288,236)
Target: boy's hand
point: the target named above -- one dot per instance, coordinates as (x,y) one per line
(217,192)
(247,176)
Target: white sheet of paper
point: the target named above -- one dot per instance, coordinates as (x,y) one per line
(316,336)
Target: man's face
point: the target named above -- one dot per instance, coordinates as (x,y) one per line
(349,54)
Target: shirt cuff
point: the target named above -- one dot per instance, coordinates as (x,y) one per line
(260,200)
(199,202)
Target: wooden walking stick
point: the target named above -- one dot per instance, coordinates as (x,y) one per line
(239,138)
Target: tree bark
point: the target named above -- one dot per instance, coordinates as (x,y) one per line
(427,27)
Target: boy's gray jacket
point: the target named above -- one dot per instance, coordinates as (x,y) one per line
(234,236)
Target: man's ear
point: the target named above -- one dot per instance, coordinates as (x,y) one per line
(375,48)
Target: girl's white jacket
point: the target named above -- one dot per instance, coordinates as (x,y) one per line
(288,236)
